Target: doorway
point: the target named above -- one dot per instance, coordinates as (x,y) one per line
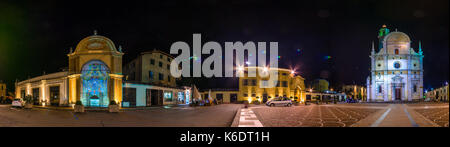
(36,96)
(148,100)
(156,97)
(129,97)
(54,95)
(233,98)
(398,94)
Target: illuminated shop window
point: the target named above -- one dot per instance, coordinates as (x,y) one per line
(168,96)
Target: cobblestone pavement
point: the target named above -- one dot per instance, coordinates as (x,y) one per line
(356,115)
(311,116)
(213,116)
(439,116)
(429,105)
(365,104)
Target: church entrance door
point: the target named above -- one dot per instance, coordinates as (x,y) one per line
(398,94)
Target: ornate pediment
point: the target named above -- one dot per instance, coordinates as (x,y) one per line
(397,79)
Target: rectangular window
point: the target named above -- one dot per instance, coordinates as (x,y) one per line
(161,56)
(168,66)
(415,88)
(168,78)
(253,82)
(161,76)
(160,64)
(168,59)
(380,89)
(245,95)
(284,83)
(245,82)
(264,83)
(152,61)
(277,83)
(150,75)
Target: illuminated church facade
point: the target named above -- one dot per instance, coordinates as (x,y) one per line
(396,69)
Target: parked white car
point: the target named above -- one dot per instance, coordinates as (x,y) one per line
(18,102)
(279,102)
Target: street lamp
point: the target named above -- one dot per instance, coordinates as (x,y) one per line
(240,68)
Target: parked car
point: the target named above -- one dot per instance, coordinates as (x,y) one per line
(279,102)
(18,102)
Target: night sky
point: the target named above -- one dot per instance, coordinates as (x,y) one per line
(36,36)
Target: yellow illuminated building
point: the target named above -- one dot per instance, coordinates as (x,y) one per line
(252,88)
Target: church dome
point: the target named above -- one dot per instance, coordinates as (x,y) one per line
(96,43)
(397,37)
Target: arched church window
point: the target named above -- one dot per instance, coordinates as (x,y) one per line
(415,88)
(396,51)
(379,89)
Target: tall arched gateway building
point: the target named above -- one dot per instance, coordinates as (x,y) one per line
(94,77)
(397,70)
(95,72)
